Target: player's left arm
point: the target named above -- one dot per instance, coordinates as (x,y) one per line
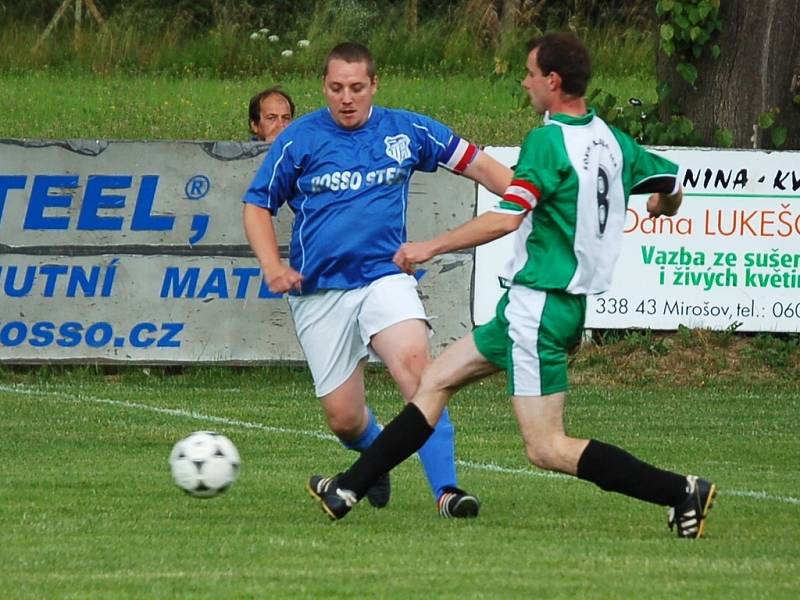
(650,173)
(440,146)
(491,174)
(664,187)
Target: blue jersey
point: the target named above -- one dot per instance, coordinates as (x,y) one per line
(348,189)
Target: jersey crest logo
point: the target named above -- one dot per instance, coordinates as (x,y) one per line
(398,147)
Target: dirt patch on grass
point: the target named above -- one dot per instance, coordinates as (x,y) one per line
(689,357)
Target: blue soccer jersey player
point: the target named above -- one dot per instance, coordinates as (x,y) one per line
(344,171)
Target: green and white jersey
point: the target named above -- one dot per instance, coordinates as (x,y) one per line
(575,175)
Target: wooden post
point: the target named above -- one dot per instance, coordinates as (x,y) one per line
(95,13)
(90,7)
(51,24)
(78,15)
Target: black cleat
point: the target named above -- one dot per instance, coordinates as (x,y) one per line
(689,517)
(317,486)
(380,492)
(378,495)
(455,503)
(335,502)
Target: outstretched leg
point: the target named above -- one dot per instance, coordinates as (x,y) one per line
(611,468)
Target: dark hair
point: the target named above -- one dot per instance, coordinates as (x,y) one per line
(351,52)
(255,102)
(566,55)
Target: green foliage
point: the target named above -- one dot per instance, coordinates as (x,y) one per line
(345,20)
(775,351)
(686,30)
(723,138)
(768,120)
(688,71)
(687,27)
(212,37)
(647,341)
(778,136)
(641,120)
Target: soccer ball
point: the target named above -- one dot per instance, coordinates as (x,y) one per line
(204,464)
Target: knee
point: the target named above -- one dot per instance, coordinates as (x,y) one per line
(411,360)
(545,453)
(407,367)
(436,382)
(346,424)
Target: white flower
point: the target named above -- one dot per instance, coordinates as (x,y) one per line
(263,31)
(254,35)
(273,38)
(303,43)
(287,53)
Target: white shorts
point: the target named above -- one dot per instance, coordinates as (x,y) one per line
(335,326)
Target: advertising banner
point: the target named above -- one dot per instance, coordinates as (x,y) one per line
(730,259)
(135,252)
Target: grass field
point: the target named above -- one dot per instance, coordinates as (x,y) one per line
(57,105)
(89,510)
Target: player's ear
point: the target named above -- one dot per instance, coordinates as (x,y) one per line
(253,127)
(554,80)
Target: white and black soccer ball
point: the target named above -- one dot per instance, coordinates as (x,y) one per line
(204,463)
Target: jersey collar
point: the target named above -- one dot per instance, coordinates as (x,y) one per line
(362,126)
(562,119)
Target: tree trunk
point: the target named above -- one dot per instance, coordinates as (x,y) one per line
(758,70)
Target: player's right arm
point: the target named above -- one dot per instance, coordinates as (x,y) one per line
(260,232)
(270,189)
(482,229)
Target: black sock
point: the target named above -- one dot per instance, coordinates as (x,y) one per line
(404,435)
(614,470)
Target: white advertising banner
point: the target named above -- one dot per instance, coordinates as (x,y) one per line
(730,259)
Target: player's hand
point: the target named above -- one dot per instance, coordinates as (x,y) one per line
(411,254)
(283,280)
(654,205)
(658,205)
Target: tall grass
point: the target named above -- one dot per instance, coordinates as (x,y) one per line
(465,38)
(193,77)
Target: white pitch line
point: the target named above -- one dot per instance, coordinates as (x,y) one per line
(761,496)
(176,412)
